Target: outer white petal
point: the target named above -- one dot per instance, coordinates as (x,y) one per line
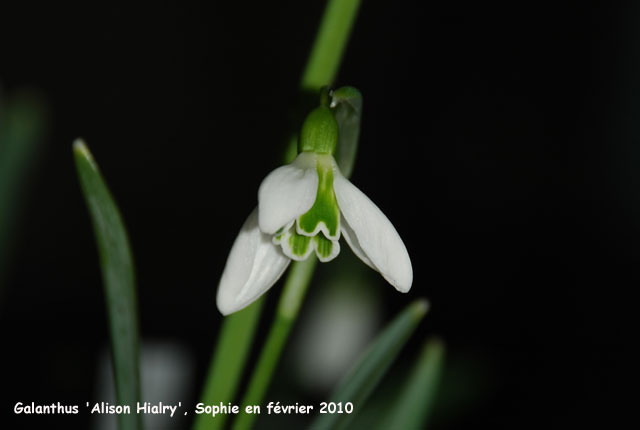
(352,240)
(371,235)
(287,192)
(253,266)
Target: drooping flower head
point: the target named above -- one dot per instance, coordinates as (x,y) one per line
(303,208)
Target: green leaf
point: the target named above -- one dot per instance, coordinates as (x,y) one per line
(346,103)
(230,356)
(415,402)
(118,277)
(22,126)
(372,366)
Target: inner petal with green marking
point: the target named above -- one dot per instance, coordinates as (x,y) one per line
(319,228)
(298,247)
(326,249)
(324,215)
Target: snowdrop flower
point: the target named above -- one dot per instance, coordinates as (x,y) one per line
(303,208)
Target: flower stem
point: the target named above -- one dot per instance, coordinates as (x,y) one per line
(225,370)
(331,41)
(322,66)
(289,305)
(326,54)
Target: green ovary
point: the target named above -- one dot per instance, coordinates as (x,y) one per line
(325,209)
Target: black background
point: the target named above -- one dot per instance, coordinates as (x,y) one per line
(499,138)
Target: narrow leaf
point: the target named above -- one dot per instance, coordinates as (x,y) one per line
(415,402)
(346,103)
(118,278)
(225,371)
(372,366)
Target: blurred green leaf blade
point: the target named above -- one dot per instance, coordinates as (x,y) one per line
(412,408)
(363,378)
(23,125)
(116,262)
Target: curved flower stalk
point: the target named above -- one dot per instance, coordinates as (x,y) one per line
(303,208)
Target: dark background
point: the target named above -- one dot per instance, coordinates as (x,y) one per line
(499,138)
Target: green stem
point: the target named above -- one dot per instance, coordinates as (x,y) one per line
(322,66)
(289,306)
(331,41)
(230,355)
(326,54)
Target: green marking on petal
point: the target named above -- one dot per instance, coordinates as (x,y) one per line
(324,215)
(281,233)
(299,244)
(294,246)
(326,249)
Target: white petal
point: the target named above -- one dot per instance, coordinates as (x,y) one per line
(253,266)
(371,235)
(287,192)
(350,237)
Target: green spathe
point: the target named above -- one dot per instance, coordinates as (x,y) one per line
(319,132)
